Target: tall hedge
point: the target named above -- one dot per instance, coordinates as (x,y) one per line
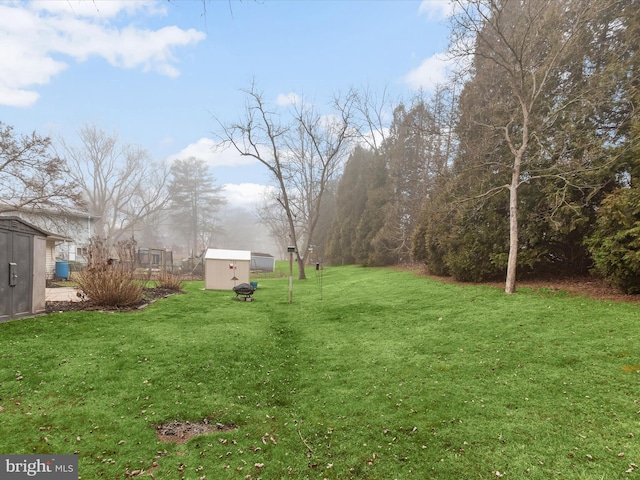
(615,243)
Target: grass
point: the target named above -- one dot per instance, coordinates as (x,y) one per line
(368,374)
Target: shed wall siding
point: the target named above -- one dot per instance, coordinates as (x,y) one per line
(266,264)
(218,275)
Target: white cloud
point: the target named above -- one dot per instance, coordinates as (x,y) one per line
(32,34)
(17,98)
(97,8)
(245,195)
(286,99)
(374,138)
(437,9)
(205,149)
(431,72)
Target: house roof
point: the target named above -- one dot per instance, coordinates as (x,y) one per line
(63,211)
(16,215)
(220,254)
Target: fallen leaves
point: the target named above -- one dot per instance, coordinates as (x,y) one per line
(631,368)
(181,432)
(268,438)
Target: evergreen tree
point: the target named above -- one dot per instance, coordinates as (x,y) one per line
(351,198)
(538,118)
(194,202)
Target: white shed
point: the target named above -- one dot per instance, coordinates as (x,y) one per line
(224,269)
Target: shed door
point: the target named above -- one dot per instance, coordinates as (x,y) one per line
(15,274)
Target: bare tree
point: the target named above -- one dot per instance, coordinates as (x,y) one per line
(120,183)
(32,177)
(302,156)
(374,113)
(526,43)
(273,217)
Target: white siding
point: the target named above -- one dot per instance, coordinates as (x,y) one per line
(50,260)
(39,281)
(222,266)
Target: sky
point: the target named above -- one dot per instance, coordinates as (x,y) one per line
(161,74)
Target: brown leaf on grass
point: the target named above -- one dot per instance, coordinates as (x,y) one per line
(631,368)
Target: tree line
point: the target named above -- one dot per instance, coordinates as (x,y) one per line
(523,164)
(530,161)
(127,193)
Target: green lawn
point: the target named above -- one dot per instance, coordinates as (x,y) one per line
(368,374)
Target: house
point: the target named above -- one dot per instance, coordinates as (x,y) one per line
(224,269)
(22,264)
(70,232)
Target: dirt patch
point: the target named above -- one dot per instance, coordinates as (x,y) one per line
(181,432)
(149,295)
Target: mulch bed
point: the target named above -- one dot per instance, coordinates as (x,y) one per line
(149,295)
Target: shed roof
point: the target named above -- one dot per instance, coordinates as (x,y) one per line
(220,254)
(260,254)
(13,222)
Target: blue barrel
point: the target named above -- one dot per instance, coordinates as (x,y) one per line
(62,270)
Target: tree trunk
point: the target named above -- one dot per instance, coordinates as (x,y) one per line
(301,273)
(510,284)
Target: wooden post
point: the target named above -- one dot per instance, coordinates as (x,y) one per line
(291,251)
(290,277)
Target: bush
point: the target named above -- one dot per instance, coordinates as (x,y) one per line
(615,243)
(107,280)
(169,281)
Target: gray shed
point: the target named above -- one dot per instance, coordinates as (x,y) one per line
(263,262)
(22,269)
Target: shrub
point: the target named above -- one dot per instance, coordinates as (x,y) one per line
(615,243)
(169,281)
(109,277)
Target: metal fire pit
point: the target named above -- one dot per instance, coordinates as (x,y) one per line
(244,291)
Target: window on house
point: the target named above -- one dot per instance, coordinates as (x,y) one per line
(81,251)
